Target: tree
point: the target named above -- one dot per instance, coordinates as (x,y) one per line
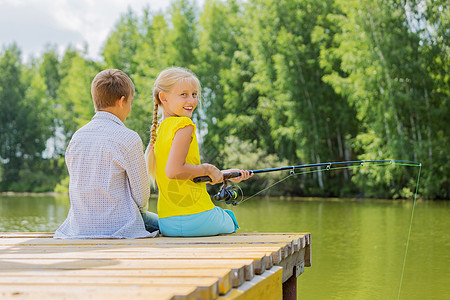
(218,30)
(75,106)
(11,95)
(274,93)
(383,73)
(151,55)
(49,70)
(25,127)
(182,38)
(122,44)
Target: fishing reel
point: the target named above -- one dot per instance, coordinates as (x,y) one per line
(228,194)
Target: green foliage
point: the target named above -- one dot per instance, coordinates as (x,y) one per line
(122,44)
(152,60)
(385,76)
(218,30)
(247,155)
(75,107)
(284,82)
(63,186)
(23,117)
(182,37)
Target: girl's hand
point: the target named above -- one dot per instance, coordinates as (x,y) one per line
(213,173)
(244,175)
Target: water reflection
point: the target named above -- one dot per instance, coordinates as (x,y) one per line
(32,213)
(358,248)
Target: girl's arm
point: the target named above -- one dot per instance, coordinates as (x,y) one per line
(177,168)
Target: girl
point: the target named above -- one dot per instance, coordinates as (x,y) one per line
(184,207)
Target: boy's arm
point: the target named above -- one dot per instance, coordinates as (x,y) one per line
(138,176)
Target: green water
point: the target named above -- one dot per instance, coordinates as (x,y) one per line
(357,247)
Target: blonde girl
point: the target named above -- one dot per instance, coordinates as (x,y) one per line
(173,160)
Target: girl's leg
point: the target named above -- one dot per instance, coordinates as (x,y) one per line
(235,226)
(212,222)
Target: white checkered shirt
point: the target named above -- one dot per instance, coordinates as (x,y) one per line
(108,181)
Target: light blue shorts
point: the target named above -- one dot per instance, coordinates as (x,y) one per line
(212,222)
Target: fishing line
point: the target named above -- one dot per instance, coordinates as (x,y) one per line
(409,233)
(292,173)
(265,189)
(230,195)
(330,167)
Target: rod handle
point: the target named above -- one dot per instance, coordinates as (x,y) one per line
(226,176)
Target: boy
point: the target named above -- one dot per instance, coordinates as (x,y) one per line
(109,184)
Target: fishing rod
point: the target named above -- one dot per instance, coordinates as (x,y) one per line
(229,194)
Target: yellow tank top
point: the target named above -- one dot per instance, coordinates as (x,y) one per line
(178,197)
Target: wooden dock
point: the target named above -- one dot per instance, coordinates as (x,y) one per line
(235,266)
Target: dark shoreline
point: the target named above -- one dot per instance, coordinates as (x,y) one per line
(283,198)
(32,194)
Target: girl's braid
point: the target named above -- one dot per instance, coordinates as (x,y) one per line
(154,124)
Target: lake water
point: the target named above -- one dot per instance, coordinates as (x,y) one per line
(358,247)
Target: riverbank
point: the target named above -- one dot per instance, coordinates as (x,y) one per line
(32,194)
(284,198)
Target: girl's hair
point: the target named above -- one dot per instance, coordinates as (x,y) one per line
(165,81)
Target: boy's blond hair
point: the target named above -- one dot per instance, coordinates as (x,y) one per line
(109,86)
(165,81)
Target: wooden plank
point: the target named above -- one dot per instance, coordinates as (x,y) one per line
(56,292)
(241,269)
(146,254)
(289,262)
(265,286)
(56,242)
(210,247)
(259,264)
(122,264)
(308,259)
(223,276)
(119,272)
(233,239)
(26,234)
(262,259)
(81,280)
(274,254)
(157,239)
(277,252)
(45,250)
(207,287)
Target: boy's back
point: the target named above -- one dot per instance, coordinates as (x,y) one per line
(108,181)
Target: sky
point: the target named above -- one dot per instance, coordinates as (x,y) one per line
(33,24)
